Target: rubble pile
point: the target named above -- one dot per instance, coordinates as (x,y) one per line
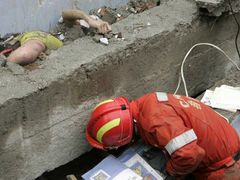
(218,7)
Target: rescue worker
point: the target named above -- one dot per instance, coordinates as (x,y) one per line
(196,139)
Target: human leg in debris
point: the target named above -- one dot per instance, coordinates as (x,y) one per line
(32,44)
(27,53)
(102,26)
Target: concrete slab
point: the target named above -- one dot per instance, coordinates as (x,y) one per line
(43,113)
(217,7)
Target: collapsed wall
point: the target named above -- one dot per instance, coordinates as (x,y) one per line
(44,112)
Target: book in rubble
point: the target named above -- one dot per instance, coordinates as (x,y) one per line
(111,168)
(130,165)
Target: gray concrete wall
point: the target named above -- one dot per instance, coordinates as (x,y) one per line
(27,15)
(43,113)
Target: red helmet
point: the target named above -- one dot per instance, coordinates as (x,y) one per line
(111,124)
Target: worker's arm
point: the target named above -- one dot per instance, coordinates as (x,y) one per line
(73,14)
(181,145)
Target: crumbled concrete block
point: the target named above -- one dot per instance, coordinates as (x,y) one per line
(216,7)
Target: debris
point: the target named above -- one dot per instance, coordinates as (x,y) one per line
(132,10)
(99,11)
(74,32)
(71,177)
(104,41)
(109,35)
(138,6)
(8,39)
(3,60)
(60,20)
(224,97)
(118,35)
(148,24)
(107,15)
(61,37)
(102,26)
(42,56)
(8,35)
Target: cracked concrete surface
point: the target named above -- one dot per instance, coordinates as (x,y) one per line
(44,112)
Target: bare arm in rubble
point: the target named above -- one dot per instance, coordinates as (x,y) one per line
(102,26)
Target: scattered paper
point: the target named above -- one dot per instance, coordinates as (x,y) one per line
(206,99)
(104,41)
(111,168)
(223,97)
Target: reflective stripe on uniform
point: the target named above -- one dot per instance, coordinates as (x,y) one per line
(108,126)
(103,102)
(161,96)
(180,141)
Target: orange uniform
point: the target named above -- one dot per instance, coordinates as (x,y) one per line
(198,140)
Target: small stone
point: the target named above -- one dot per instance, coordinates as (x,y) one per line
(118,35)
(132,10)
(108,35)
(61,37)
(60,20)
(104,41)
(99,10)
